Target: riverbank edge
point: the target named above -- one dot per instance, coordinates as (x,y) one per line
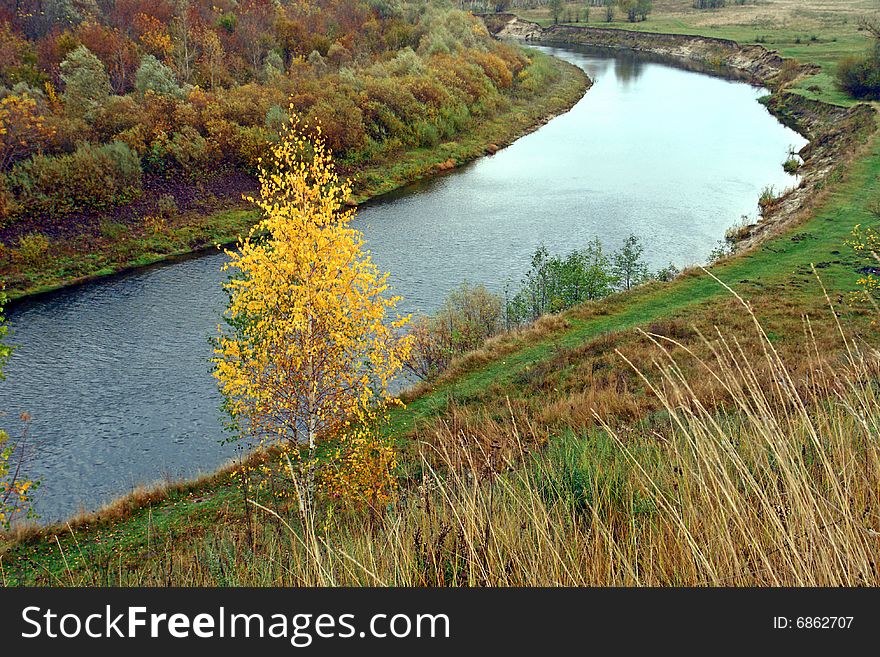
(504,130)
(831,131)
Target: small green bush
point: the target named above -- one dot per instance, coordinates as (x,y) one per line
(189,150)
(767,199)
(32,248)
(112,230)
(90,178)
(860,76)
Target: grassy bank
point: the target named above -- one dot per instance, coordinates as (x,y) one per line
(818,33)
(119,247)
(750,458)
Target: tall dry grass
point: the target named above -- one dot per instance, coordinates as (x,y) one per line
(773,481)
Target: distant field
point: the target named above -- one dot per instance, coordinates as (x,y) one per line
(813,31)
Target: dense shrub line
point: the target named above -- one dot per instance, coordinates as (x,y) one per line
(79,128)
(91,178)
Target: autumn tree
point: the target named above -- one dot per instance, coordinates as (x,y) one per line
(309,348)
(117,52)
(86,83)
(16,57)
(22,129)
(184,43)
(211,60)
(254,30)
(153,35)
(15,488)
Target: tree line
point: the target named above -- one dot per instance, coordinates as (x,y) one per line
(99,96)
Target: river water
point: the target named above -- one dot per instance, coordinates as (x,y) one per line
(115,374)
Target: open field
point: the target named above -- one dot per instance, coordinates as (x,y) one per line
(812,31)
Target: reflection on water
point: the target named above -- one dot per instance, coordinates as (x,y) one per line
(116,375)
(627,68)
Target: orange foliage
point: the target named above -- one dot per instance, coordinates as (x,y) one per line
(22,129)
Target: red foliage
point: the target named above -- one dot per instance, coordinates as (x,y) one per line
(118,53)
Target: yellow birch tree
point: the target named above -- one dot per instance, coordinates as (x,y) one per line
(309,345)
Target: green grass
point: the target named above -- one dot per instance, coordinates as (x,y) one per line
(820,38)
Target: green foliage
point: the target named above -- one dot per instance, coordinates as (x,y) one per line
(859,76)
(767,199)
(584,471)
(7,201)
(90,178)
(152,75)
(635,10)
(554,283)
(276,119)
(33,248)
(387,8)
(86,82)
(667,273)
(627,264)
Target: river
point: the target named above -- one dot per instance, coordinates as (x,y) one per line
(115,373)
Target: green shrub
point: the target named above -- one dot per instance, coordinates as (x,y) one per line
(152,75)
(90,178)
(792,165)
(32,248)
(554,282)
(189,150)
(7,201)
(426,134)
(860,76)
(112,230)
(251,144)
(767,199)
